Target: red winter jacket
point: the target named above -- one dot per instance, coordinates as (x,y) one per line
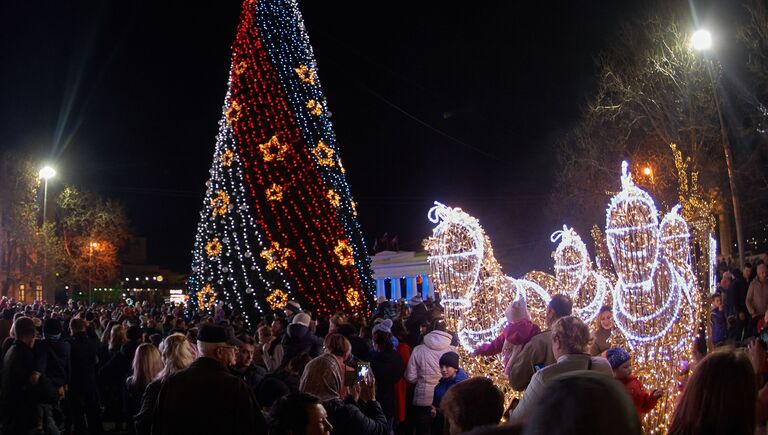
(643,400)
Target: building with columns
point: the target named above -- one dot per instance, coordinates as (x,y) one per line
(402,275)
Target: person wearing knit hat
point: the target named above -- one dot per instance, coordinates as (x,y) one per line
(622,371)
(383,326)
(450,375)
(514,336)
(302,319)
(291,309)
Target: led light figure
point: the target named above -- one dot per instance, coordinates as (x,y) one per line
(654,299)
(712,264)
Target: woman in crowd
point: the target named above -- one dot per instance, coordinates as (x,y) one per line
(387,368)
(176,355)
(719,398)
(570,339)
(147,363)
(424,371)
(602,332)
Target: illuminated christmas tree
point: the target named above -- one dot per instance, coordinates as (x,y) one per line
(278,221)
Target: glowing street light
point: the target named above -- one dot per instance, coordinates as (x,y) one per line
(647,171)
(47,172)
(701,40)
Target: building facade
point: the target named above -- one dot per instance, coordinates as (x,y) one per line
(402,275)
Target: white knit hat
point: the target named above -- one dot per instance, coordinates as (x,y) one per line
(517,310)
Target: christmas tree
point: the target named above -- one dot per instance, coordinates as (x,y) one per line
(278,221)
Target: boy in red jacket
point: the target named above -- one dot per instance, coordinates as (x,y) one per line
(622,372)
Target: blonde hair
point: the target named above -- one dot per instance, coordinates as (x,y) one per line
(338,319)
(117,337)
(337,345)
(572,334)
(177,355)
(146,365)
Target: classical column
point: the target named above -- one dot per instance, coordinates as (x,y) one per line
(409,289)
(396,287)
(427,287)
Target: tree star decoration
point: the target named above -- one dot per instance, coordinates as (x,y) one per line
(206,298)
(220,203)
(273,150)
(306,74)
(277,300)
(276,256)
(227,157)
(314,107)
(353,297)
(344,252)
(334,197)
(240,68)
(473,289)
(274,193)
(654,299)
(324,154)
(233,112)
(213,248)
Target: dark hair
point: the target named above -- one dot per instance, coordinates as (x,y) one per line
(561,304)
(297,363)
(76,325)
(52,326)
(605,308)
(592,397)
(133,333)
(714,403)
(473,403)
(290,413)
(383,340)
(247,339)
(398,328)
(24,327)
(748,264)
(282,321)
(271,390)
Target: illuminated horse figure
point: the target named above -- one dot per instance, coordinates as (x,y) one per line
(574,276)
(654,302)
(473,289)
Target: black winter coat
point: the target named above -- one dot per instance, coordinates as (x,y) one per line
(206,398)
(298,339)
(83,357)
(350,418)
(388,369)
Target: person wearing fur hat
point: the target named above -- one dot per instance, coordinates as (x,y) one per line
(291,309)
(387,368)
(622,371)
(514,336)
(450,375)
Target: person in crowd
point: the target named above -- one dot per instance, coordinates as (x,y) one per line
(602,333)
(739,289)
(300,414)
(385,309)
(176,355)
(116,340)
(226,396)
(335,322)
(537,353)
(747,272)
(514,336)
(717,321)
(271,390)
(387,367)
(52,360)
(757,296)
(401,387)
(714,403)
(596,405)
(114,373)
(19,402)
(6,321)
(450,375)
(419,315)
(147,364)
(272,349)
(622,372)
(324,377)
(244,367)
(82,396)
(726,288)
(263,337)
(299,339)
(291,309)
(360,349)
(570,340)
(471,404)
(423,370)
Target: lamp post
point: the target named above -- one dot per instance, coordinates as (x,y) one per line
(93,246)
(702,41)
(46,173)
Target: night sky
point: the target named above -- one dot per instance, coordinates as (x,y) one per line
(430,101)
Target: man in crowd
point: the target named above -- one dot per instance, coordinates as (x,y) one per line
(757,296)
(537,353)
(227,405)
(18,401)
(244,367)
(291,309)
(82,396)
(300,414)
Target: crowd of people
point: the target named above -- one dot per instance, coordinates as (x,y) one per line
(158,369)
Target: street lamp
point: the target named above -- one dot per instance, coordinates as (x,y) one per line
(702,41)
(94,246)
(45,173)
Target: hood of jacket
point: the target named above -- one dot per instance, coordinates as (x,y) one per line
(438,340)
(297,331)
